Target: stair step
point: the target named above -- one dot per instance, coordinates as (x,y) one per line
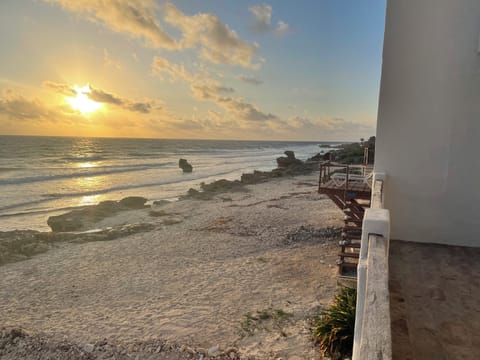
(354,231)
(351,245)
(349,242)
(349,255)
(350,236)
(348,265)
(352,228)
(353,221)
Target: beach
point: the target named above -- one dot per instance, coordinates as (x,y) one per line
(235,276)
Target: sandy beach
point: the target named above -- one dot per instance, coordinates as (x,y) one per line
(238,275)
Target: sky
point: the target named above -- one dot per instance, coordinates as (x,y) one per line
(210,69)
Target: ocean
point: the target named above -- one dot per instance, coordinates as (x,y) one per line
(45,176)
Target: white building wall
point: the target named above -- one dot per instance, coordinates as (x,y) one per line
(428,132)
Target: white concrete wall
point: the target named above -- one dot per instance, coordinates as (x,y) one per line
(428,132)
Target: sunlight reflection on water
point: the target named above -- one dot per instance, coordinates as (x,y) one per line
(86,165)
(90,200)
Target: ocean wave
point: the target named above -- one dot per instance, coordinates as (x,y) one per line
(45,198)
(137,154)
(52,195)
(83,158)
(86,172)
(40,211)
(5,169)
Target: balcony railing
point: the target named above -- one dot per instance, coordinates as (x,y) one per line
(373,339)
(345,176)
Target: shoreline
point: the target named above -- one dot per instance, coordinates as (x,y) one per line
(203,274)
(15,220)
(85,223)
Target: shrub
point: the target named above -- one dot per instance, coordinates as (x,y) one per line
(333,328)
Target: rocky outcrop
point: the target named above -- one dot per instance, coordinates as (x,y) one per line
(288,165)
(217,187)
(20,245)
(257,177)
(185,166)
(161,202)
(289,160)
(317,157)
(133,202)
(82,219)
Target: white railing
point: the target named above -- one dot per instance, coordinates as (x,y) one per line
(373,338)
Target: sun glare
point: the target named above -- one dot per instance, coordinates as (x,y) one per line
(82,102)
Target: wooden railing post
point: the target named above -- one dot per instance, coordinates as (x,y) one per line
(346,182)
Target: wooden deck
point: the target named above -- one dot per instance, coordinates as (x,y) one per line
(349,187)
(359,187)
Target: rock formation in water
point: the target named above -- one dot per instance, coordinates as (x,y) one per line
(289,160)
(185,166)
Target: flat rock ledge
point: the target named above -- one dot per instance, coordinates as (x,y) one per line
(82,219)
(20,245)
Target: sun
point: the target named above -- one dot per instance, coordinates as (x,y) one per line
(82,102)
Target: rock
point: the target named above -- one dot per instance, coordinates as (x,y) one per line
(255,177)
(290,154)
(133,202)
(213,350)
(66,222)
(185,166)
(88,348)
(221,185)
(214,188)
(287,166)
(161,202)
(289,160)
(83,219)
(108,206)
(158,213)
(317,157)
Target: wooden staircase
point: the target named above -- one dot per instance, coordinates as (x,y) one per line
(352,195)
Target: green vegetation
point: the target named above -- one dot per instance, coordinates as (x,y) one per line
(353,153)
(333,328)
(261,319)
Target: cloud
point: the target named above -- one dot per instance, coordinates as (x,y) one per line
(244,110)
(15,106)
(134,18)
(215,41)
(333,128)
(208,89)
(282,28)
(102,96)
(109,62)
(250,80)
(161,67)
(262,15)
(63,89)
(236,107)
(141,107)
